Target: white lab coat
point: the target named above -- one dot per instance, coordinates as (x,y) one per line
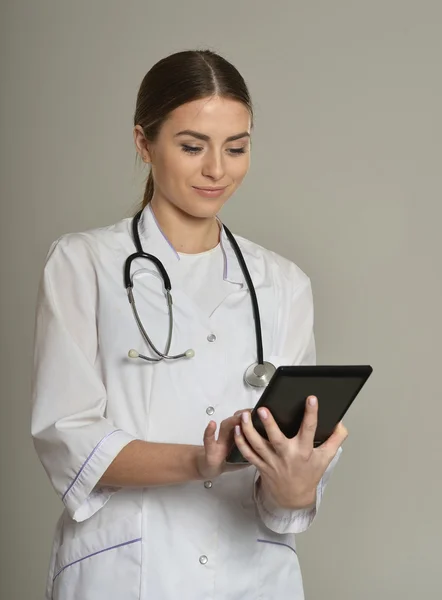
(217,540)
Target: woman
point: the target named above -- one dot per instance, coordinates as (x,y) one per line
(152,510)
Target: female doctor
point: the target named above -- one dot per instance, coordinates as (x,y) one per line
(138,390)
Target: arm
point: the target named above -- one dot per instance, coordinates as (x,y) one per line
(86,456)
(150,464)
(74,440)
(84,453)
(299,327)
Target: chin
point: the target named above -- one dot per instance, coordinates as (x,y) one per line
(199,213)
(203,208)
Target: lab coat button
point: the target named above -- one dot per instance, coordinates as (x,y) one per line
(211,337)
(203,559)
(210,410)
(208,485)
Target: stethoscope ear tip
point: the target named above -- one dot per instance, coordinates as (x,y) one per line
(133,354)
(189,353)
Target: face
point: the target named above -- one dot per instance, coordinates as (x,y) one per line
(201,155)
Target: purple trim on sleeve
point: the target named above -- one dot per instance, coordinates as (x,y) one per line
(87,460)
(277,544)
(94,554)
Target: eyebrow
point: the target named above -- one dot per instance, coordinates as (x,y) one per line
(206,138)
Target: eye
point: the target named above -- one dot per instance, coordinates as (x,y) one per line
(236,151)
(191,149)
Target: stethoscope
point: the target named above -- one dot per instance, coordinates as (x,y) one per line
(257,375)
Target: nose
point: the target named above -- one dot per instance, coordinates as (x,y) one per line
(213,165)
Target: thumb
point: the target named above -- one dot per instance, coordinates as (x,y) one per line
(335,441)
(209,435)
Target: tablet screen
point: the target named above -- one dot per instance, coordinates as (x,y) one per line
(287,395)
(335,387)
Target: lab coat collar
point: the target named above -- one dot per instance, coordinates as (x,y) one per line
(155,242)
(232,269)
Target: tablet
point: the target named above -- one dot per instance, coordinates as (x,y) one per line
(285,396)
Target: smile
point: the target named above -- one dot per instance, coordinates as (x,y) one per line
(209,192)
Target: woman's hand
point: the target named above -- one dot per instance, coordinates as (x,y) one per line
(211,459)
(290,469)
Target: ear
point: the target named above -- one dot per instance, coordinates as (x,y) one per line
(142,144)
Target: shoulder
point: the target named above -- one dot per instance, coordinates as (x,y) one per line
(284,271)
(81,256)
(88,245)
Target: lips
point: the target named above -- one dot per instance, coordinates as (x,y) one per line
(210,189)
(209,192)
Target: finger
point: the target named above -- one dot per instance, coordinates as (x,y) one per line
(239,412)
(276,438)
(226,428)
(335,441)
(259,445)
(246,450)
(306,433)
(209,436)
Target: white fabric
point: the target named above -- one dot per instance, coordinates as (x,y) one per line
(202,278)
(90,400)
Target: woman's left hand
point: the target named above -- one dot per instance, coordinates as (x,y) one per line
(290,468)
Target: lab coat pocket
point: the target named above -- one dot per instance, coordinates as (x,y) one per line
(101,564)
(278,556)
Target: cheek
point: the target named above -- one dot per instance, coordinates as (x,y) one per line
(240,168)
(178,167)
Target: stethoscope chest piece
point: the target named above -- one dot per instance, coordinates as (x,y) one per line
(259,375)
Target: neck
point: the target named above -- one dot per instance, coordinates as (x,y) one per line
(187,234)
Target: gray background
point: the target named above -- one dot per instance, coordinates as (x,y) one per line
(345,181)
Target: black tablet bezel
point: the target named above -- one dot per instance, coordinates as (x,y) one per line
(362,372)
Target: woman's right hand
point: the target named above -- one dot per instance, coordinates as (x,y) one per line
(211,461)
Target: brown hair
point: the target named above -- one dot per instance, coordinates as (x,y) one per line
(180,78)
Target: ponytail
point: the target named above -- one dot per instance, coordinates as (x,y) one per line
(148,192)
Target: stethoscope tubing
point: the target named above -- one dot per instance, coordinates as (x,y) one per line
(258,373)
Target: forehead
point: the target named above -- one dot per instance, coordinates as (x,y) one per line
(213,116)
